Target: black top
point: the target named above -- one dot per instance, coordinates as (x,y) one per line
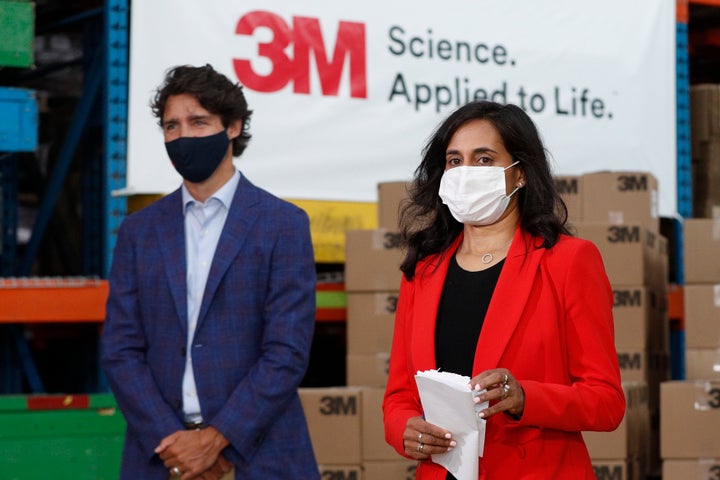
(463,305)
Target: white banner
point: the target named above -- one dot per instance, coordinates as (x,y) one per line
(345,95)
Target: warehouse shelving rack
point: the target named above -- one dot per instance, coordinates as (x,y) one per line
(103,102)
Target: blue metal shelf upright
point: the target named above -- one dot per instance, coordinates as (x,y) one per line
(683,170)
(115,112)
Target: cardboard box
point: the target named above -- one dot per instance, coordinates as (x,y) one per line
(370,321)
(334,419)
(341,472)
(631,438)
(704,114)
(689,419)
(374,446)
(702,363)
(702,315)
(570,189)
(701,244)
(705,179)
(696,469)
(395,470)
(653,367)
(619,469)
(621,198)
(391,198)
(662,259)
(628,251)
(368,369)
(372,260)
(637,312)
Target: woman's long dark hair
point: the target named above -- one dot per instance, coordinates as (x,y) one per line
(426,225)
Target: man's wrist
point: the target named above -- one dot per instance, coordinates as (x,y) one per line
(217,439)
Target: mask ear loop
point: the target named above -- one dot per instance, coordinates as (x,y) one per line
(517,187)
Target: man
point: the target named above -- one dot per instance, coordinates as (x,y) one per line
(212,306)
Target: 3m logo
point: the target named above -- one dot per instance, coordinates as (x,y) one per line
(714,398)
(390,303)
(629,183)
(339,475)
(630,361)
(627,298)
(303,38)
(338,405)
(566,186)
(607,472)
(392,240)
(623,234)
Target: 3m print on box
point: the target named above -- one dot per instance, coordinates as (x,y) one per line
(346,94)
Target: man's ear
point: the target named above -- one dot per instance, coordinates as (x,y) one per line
(234,129)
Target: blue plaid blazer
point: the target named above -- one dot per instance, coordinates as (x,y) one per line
(251,344)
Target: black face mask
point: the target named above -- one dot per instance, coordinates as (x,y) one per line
(196,158)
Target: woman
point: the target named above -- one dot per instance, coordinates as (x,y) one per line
(495,288)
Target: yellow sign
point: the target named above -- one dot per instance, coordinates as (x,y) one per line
(330,220)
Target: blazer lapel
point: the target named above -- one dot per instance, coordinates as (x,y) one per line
(508,301)
(171,236)
(237,225)
(427,300)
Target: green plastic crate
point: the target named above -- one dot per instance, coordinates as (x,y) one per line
(17,30)
(61,437)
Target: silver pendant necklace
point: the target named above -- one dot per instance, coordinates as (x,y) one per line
(488,257)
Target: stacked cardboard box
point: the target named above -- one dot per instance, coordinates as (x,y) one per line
(615,210)
(702,298)
(690,409)
(618,212)
(346,423)
(372,282)
(620,454)
(689,423)
(346,429)
(705,138)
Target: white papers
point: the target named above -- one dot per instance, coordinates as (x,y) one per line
(448,403)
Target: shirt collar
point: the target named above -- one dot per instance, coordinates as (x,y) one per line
(223,194)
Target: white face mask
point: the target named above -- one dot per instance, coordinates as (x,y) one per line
(476,195)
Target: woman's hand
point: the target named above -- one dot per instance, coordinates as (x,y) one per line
(421,439)
(504,392)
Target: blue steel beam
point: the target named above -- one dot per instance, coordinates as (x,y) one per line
(47,205)
(115,111)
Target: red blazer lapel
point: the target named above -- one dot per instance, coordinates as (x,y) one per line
(430,278)
(508,301)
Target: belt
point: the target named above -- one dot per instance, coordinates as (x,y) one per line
(194,425)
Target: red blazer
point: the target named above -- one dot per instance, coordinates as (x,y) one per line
(550,323)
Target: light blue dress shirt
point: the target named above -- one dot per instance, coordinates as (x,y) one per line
(204,222)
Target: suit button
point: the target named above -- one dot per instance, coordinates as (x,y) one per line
(183,351)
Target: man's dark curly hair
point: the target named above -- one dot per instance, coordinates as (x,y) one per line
(214,91)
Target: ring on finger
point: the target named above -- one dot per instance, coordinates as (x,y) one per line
(420,447)
(505,378)
(506,390)
(420,438)
(176,471)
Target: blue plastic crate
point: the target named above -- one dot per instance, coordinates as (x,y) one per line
(18,120)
